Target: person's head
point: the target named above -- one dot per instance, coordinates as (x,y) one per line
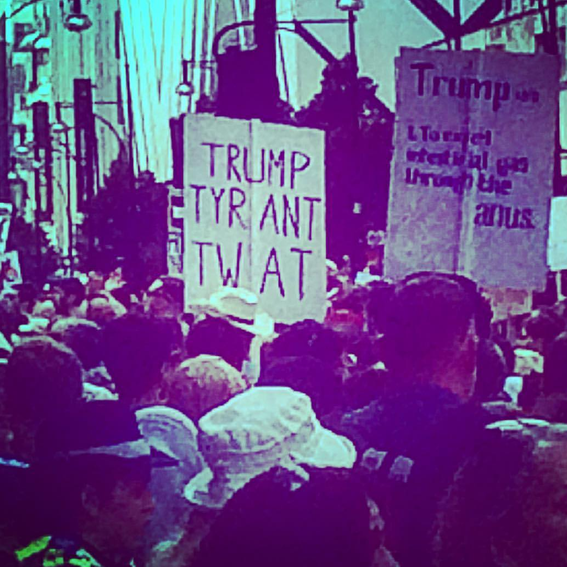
(202,383)
(10,316)
(43,377)
(307,374)
(103,308)
(541,327)
(555,367)
(306,338)
(431,334)
(94,472)
(280,518)
(82,337)
(135,348)
(70,293)
(164,297)
(218,337)
(491,371)
(507,506)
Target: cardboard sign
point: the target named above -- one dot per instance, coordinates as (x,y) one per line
(255,214)
(508,303)
(5,220)
(557,244)
(473,165)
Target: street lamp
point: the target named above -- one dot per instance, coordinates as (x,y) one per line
(77,21)
(185,87)
(347,5)
(351,6)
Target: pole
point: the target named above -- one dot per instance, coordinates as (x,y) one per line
(4,112)
(458,23)
(129,104)
(352,40)
(265,34)
(356,162)
(37,211)
(69,206)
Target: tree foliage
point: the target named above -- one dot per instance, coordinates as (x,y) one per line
(23,239)
(359,139)
(127,225)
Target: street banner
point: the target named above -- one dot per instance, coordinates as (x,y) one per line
(5,220)
(254,214)
(472,171)
(175,232)
(557,244)
(10,271)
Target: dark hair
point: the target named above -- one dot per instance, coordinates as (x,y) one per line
(544,324)
(135,348)
(271,521)
(10,317)
(43,377)
(308,375)
(491,511)
(429,314)
(83,337)
(216,336)
(555,366)
(491,371)
(306,338)
(73,286)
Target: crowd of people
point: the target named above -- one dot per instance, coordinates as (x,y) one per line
(403,431)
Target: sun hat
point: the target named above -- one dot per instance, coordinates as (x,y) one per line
(102,428)
(255,431)
(204,382)
(238,306)
(170,285)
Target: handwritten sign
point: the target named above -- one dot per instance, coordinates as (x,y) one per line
(557,245)
(473,166)
(255,214)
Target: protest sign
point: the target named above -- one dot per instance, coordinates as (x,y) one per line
(255,214)
(473,166)
(5,220)
(175,232)
(10,271)
(557,244)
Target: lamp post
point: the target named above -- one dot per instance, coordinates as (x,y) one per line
(351,7)
(5,119)
(185,87)
(76,20)
(62,129)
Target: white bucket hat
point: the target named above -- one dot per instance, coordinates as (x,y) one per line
(240,307)
(255,431)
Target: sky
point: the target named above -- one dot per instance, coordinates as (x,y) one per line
(383,27)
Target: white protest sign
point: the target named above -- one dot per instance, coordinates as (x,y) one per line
(557,244)
(255,214)
(473,165)
(5,220)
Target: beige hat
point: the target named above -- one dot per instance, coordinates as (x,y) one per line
(255,431)
(239,307)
